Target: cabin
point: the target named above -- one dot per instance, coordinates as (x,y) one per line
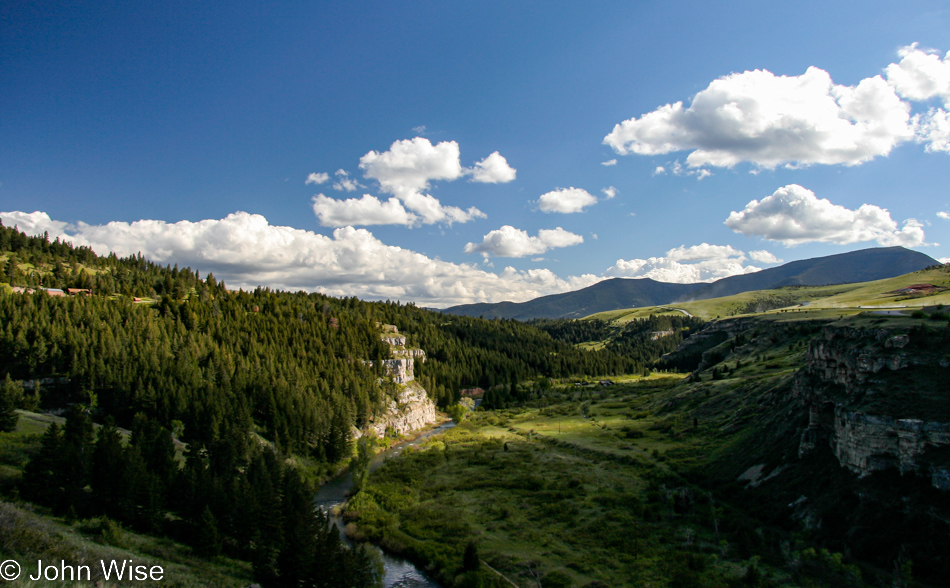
(79,291)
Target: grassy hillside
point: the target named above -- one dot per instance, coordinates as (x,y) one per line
(847,297)
(884,293)
(745,303)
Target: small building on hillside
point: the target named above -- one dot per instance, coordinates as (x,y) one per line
(54,292)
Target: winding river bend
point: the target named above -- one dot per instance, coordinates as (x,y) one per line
(399,573)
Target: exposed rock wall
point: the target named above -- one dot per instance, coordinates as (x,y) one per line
(412,408)
(842,380)
(394,340)
(416,354)
(402,371)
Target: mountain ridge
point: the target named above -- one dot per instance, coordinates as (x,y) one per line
(842,268)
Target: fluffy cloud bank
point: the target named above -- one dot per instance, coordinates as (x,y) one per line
(768,120)
(793,215)
(566,200)
(511,242)
(246,251)
(684,265)
(407,171)
(367,210)
(771,120)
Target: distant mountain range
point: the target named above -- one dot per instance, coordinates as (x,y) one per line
(844,268)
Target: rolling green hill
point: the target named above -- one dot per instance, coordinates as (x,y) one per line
(890,294)
(844,268)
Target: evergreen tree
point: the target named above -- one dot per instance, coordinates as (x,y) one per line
(42,482)
(108,469)
(75,458)
(208,542)
(359,465)
(470,560)
(11,394)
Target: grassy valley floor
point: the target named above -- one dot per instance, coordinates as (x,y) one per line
(575,493)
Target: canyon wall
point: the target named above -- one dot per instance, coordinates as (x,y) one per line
(877,402)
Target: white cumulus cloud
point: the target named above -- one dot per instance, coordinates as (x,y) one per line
(934,129)
(763,256)
(609,162)
(794,215)
(511,242)
(494,169)
(684,265)
(944,215)
(317,178)
(432,211)
(409,167)
(920,75)
(245,251)
(411,164)
(771,120)
(566,200)
(609,192)
(367,210)
(345,183)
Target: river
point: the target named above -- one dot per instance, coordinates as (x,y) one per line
(399,573)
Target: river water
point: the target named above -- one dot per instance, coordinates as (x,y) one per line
(400,573)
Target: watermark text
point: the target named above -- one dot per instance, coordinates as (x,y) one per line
(116,570)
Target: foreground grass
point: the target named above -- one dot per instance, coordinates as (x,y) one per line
(27,536)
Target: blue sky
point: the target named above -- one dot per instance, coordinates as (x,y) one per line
(475,138)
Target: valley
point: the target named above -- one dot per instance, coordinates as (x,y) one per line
(727,476)
(797,436)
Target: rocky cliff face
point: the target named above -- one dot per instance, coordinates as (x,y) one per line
(870,396)
(400,370)
(412,408)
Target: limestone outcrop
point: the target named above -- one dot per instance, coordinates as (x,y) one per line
(402,371)
(411,409)
(866,392)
